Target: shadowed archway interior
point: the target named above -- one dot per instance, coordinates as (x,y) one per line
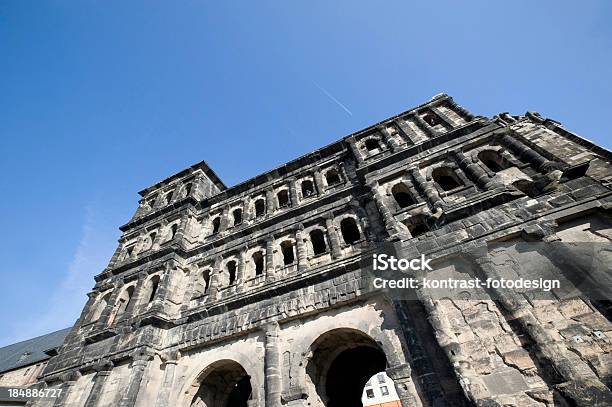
(225,384)
(341,363)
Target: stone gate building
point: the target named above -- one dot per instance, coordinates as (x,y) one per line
(253,295)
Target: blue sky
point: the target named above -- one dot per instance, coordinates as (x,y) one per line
(99,99)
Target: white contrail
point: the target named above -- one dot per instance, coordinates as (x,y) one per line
(329,95)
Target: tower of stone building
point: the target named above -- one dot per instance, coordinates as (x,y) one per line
(256,295)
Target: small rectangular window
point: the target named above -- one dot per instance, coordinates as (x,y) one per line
(380,377)
(370,393)
(384,390)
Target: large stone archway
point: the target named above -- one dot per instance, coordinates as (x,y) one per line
(224,383)
(340,363)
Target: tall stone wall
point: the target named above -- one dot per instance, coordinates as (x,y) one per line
(257,294)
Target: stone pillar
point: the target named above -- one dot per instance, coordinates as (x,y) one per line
(99,380)
(271,204)
(474,171)
(470,380)
(385,213)
(170,362)
(182,228)
(273,383)
(388,135)
(139,363)
(428,189)
(240,269)
(224,219)
(527,154)
(293,192)
(334,238)
(135,300)
(318,180)
(270,259)
(247,213)
(213,286)
(443,116)
(355,150)
(302,253)
(401,376)
(163,289)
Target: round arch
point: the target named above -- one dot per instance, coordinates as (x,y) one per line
(223,383)
(340,361)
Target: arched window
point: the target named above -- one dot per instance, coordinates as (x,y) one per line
(173,230)
(307,188)
(350,231)
(151,290)
(151,239)
(169,197)
(260,207)
(492,160)
(216,224)
(188,189)
(206,279)
(231,271)
(237,215)
(446,178)
(100,307)
(332,177)
(402,195)
(258,260)
(372,144)
(432,119)
(317,239)
(129,251)
(123,302)
(283,198)
(287,250)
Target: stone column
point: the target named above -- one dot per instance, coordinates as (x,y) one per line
(334,239)
(99,380)
(170,362)
(247,213)
(213,285)
(240,270)
(401,376)
(140,361)
(390,140)
(318,180)
(385,213)
(428,189)
(302,253)
(273,384)
(135,300)
(474,171)
(293,191)
(271,204)
(355,150)
(527,154)
(224,219)
(443,116)
(270,259)
(163,288)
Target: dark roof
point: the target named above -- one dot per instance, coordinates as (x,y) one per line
(30,351)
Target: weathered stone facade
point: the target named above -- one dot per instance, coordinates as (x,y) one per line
(253,295)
